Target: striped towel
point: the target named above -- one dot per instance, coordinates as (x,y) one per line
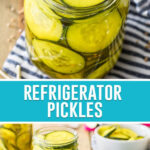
(133,63)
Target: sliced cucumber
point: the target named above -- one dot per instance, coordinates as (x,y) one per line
(120,136)
(2,146)
(96,36)
(24,138)
(106,131)
(26,128)
(82,3)
(102,70)
(59,137)
(116,132)
(7,134)
(128,132)
(12,127)
(11,147)
(58,58)
(42,26)
(123,134)
(139,137)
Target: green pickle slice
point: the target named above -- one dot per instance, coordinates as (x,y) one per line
(2,146)
(102,70)
(58,58)
(41,25)
(59,137)
(94,36)
(119,133)
(23,138)
(12,138)
(58,140)
(82,3)
(7,134)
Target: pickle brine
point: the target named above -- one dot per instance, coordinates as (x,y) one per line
(68,44)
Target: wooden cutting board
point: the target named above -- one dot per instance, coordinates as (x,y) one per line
(6,15)
(21,14)
(10,10)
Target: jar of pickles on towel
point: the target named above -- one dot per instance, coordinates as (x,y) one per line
(74,39)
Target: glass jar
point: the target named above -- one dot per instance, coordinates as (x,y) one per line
(74,38)
(16,137)
(55,138)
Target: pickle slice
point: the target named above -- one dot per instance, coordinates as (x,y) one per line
(94,36)
(12,127)
(25,139)
(82,3)
(2,146)
(7,134)
(139,137)
(119,133)
(102,70)
(128,132)
(58,58)
(41,25)
(120,137)
(59,137)
(11,147)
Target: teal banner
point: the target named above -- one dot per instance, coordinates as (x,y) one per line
(75,101)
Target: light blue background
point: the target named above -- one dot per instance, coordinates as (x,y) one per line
(135,105)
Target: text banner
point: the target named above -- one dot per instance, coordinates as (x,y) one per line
(74,101)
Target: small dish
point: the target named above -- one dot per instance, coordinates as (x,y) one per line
(107,144)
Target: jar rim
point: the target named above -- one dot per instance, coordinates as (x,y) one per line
(103,6)
(53,128)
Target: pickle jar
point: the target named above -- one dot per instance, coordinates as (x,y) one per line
(75,38)
(55,138)
(16,137)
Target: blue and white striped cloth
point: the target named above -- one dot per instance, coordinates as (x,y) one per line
(133,63)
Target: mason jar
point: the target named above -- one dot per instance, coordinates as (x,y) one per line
(55,138)
(16,137)
(75,38)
